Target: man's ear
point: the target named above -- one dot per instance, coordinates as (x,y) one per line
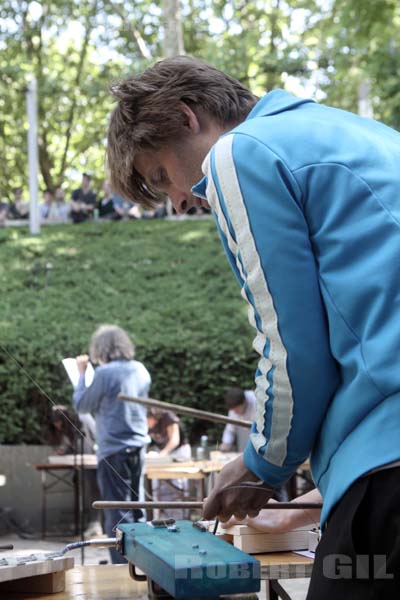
(191,121)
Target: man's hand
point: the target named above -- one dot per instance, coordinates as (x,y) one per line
(280,521)
(82,363)
(240,502)
(270,521)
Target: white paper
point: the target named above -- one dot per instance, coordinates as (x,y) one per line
(305,553)
(72,371)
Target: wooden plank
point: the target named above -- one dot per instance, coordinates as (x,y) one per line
(285,565)
(253,541)
(113,582)
(247,530)
(188,473)
(34,568)
(51,583)
(272,542)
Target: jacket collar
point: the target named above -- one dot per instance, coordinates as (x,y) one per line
(276,102)
(272,103)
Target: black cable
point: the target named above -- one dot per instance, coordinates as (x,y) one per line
(215,526)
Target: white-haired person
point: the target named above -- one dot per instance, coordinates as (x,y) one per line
(121,427)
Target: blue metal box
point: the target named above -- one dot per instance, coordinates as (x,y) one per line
(188,563)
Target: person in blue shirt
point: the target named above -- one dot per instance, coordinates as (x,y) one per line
(306,199)
(121,427)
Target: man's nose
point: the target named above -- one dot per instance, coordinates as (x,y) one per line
(181,202)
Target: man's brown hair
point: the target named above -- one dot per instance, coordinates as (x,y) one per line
(148,115)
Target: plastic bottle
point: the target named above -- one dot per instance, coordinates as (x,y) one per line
(204,444)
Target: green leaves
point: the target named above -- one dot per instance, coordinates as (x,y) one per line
(77,49)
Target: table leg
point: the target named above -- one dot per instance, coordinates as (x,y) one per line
(148,486)
(276,591)
(44,505)
(203,488)
(77,497)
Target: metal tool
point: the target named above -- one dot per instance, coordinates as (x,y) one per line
(186,410)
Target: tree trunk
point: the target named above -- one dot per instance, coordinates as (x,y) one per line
(173,35)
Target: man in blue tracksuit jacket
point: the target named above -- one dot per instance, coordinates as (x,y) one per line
(306,199)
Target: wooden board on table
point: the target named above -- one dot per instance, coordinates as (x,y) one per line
(52,583)
(285,565)
(253,541)
(72,460)
(34,568)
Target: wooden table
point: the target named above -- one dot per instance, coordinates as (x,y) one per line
(95,583)
(67,476)
(58,478)
(114,582)
(282,565)
(198,471)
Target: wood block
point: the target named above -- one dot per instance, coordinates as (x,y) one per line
(35,568)
(272,542)
(39,584)
(247,530)
(253,541)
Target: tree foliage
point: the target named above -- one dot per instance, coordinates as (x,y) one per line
(357,42)
(76,49)
(70,49)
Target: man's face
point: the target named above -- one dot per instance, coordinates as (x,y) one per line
(174,169)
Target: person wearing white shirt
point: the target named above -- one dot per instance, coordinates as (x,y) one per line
(241,405)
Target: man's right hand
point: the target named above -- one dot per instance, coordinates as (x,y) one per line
(230,496)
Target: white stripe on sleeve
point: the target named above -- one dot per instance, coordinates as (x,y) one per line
(263,305)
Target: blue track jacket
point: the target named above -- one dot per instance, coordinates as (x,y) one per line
(307,202)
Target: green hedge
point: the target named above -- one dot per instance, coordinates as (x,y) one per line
(167,283)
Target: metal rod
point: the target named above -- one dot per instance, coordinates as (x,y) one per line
(186,410)
(108,504)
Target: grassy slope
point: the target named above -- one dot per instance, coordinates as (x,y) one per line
(167,283)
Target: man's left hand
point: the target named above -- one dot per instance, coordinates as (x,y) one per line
(239,501)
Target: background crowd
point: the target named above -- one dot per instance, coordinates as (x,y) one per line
(83,205)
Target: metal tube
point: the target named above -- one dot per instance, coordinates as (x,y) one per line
(98,542)
(105,504)
(186,410)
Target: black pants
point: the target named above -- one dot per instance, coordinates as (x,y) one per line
(118,477)
(358,557)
